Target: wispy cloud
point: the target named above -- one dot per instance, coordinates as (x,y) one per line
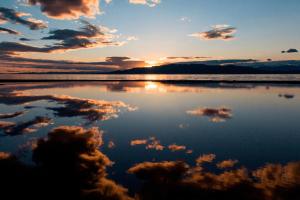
(9,31)
(150,3)
(12,16)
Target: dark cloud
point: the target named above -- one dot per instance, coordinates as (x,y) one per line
(11,63)
(14,129)
(9,31)
(25,39)
(89,36)
(66,9)
(11,115)
(67,164)
(10,15)
(215,114)
(13,47)
(219,32)
(290,51)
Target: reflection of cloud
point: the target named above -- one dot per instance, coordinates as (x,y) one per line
(13,129)
(66,9)
(219,32)
(215,114)
(70,155)
(206,158)
(11,115)
(287,96)
(177,180)
(175,147)
(155,144)
(183,126)
(227,164)
(138,142)
(111,145)
(10,15)
(279,181)
(162,171)
(90,109)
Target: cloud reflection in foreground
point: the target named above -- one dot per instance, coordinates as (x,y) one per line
(215,114)
(178,180)
(69,164)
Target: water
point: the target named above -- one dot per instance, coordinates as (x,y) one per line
(82,77)
(253,124)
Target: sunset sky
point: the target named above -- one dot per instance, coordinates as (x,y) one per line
(147,32)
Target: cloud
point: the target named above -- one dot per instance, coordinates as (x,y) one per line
(185,19)
(89,36)
(227,164)
(12,16)
(11,115)
(150,3)
(219,32)
(25,39)
(9,31)
(13,129)
(125,62)
(290,51)
(215,114)
(66,9)
(11,63)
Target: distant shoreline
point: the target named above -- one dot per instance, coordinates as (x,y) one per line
(160,81)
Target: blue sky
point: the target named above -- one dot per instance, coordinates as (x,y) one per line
(263,29)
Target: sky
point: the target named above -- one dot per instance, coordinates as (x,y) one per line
(147,32)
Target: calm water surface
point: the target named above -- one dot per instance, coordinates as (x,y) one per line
(150,121)
(204,77)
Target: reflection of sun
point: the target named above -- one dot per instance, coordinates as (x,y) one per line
(151,63)
(151,86)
